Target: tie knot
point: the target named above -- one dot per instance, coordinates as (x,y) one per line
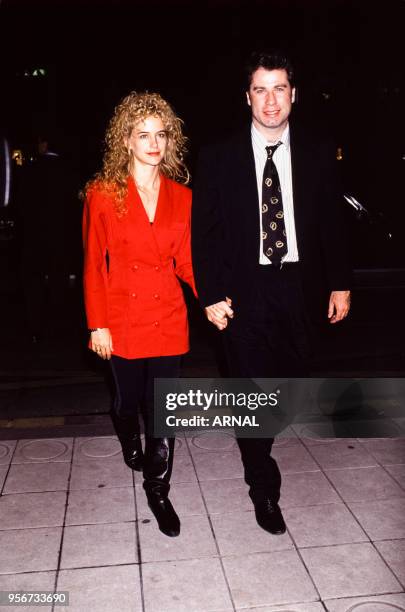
(271,148)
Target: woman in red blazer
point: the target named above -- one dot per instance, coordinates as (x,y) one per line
(136,229)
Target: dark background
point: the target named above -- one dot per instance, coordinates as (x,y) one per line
(94,53)
(349,64)
(348,58)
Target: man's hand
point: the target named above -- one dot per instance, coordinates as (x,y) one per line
(339,306)
(101,343)
(218,313)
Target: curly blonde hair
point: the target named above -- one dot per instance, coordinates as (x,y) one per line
(117,159)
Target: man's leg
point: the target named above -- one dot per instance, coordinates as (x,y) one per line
(269,341)
(248,357)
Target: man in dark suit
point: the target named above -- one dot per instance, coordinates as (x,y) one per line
(266,228)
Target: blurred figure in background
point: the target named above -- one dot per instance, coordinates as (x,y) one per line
(45,203)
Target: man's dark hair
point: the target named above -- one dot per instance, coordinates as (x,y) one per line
(270,60)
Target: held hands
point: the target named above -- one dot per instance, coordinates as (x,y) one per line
(339,306)
(218,313)
(101,342)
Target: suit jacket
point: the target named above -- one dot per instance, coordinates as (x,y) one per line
(225,220)
(138,296)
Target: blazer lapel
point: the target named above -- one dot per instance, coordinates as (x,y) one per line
(138,219)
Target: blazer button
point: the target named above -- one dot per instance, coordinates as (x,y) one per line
(157,268)
(133,295)
(156,324)
(156,296)
(135,268)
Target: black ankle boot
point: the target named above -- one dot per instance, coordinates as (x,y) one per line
(165,514)
(157,471)
(130,442)
(132,452)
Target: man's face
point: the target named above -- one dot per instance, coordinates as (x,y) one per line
(270,96)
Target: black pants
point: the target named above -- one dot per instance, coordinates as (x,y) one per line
(271,339)
(134,380)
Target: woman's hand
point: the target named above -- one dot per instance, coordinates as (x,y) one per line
(101,342)
(218,313)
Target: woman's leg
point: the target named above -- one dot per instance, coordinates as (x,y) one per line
(130,378)
(159,451)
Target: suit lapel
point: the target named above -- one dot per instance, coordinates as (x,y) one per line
(246,184)
(301,173)
(245,164)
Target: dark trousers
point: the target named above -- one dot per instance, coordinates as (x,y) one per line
(134,381)
(270,339)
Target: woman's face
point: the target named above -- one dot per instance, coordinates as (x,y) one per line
(148,141)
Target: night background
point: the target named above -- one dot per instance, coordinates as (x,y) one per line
(348,59)
(67,64)
(73,516)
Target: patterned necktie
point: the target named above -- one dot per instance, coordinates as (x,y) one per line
(273,228)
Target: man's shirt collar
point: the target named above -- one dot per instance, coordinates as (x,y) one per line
(261,141)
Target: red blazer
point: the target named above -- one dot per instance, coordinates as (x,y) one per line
(139,297)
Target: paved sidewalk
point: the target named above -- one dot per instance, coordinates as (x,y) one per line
(74,517)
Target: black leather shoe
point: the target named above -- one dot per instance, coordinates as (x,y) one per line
(269,517)
(165,514)
(132,453)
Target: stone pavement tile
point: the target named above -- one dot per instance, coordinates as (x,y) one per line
(294,459)
(211,441)
(238,533)
(342,454)
(105,472)
(195,540)
(6,451)
(283,441)
(24,510)
(379,603)
(306,489)
(181,447)
(183,469)
(227,495)
(29,550)
(393,552)
(96,448)
(387,451)
(397,472)
(37,477)
(43,450)
(323,525)
(102,589)
(383,519)
(320,432)
(296,607)
(361,484)
(3,473)
(196,585)
(39,581)
(218,465)
(268,578)
(185,497)
(349,570)
(97,545)
(114,505)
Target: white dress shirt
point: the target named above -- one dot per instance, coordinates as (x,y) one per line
(282,161)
